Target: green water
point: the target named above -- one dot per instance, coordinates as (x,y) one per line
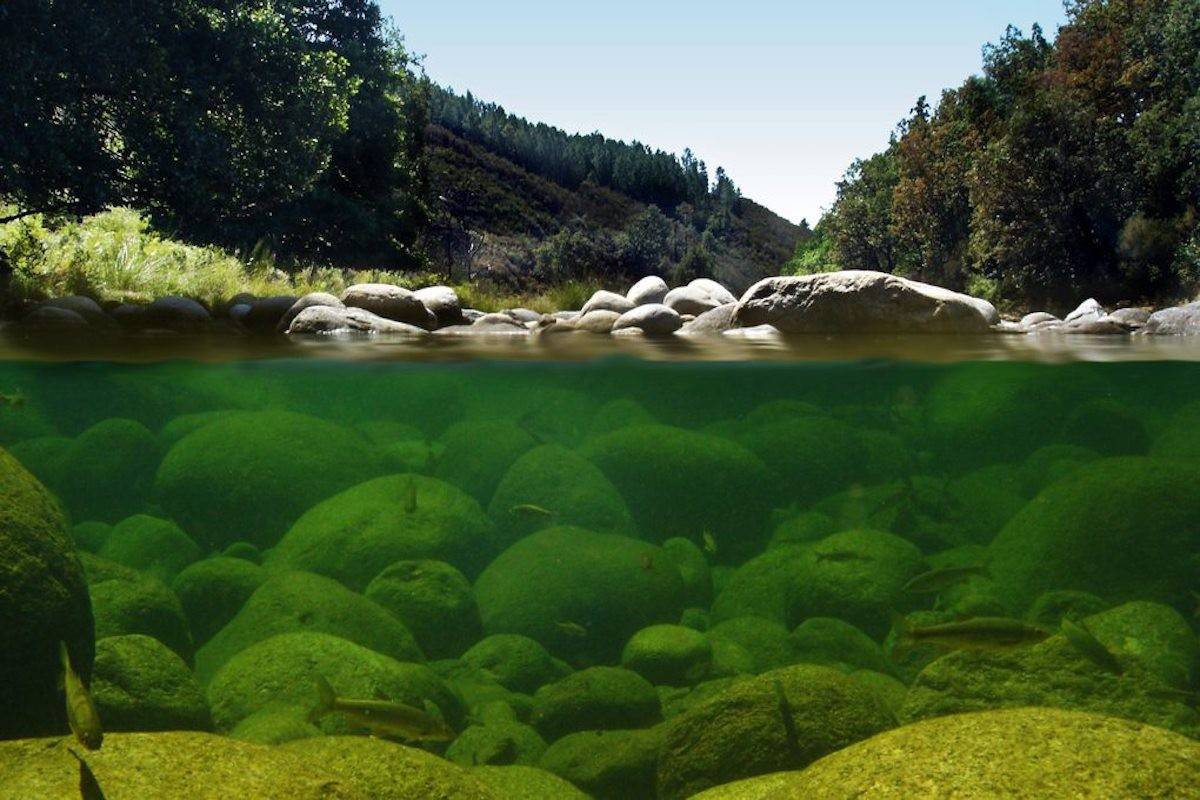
(709,562)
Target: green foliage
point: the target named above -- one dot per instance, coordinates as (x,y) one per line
(814,253)
(1064,170)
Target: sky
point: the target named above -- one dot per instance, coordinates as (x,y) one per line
(784,95)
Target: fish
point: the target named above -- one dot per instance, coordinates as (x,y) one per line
(647,560)
(785,714)
(977,633)
(840,556)
(530,510)
(942,578)
(410,499)
(1089,646)
(573,629)
(81,709)
(708,542)
(382,718)
(89,787)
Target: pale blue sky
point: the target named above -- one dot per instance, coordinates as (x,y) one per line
(782,94)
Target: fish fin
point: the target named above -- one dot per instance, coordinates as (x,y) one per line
(326,697)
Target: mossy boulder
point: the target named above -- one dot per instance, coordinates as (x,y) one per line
(856,575)
(212,592)
(693,568)
(91,535)
(668,654)
(890,690)
(527,783)
(177,765)
(1180,436)
(516,662)
(1025,752)
(1121,528)
(139,684)
(979,503)
(624,412)
(108,471)
(354,535)
(742,732)
(1053,674)
(679,483)
(151,545)
(282,671)
(836,643)
(1158,637)
(434,600)
(383,770)
(249,476)
(608,765)
(180,426)
(475,455)
(276,725)
(301,601)
(1047,464)
(43,600)
(579,593)
(126,601)
(766,641)
(1108,427)
(45,457)
(497,743)
(597,698)
(1051,607)
(562,482)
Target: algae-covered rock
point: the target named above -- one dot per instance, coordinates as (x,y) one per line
(1051,607)
(516,662)
(251,475)
(577,592)
(212,592)
(766,641)
(668,654)
(498,744)
(126,601)
(597,698)
(300,601)
(835,643)
(1121,528)
(151,545)
(571,488)
(382,770)
(276,725)
(282,671)
(889,689)
(476,454)
(749,730)
(1025,752)
(108,471)
(91,535)
(527,783)
(1156,636)
(979,503)
(1047,464)
(679,483)
(624,412)
(434,600)
(1107,427)
(177,765)
(139,684)
(608,765)
(43,600)
(1052,673)
(354,535)
(693,568)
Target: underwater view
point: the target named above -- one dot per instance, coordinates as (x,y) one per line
(606,577)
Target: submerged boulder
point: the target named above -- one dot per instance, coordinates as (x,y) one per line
(668,654)
(434,600)
(497,743)
(354,535)
(516,662)
(43,601)
(608,765)
(597,698)
(108,470)
(579,593)
(212,592)
(151,545)
(476,454)
(527,783)
(141,685)
(126,601)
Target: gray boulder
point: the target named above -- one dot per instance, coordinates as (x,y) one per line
(654,319)
(1037,318)
(1131,318)
(599,321)
(443,303)
(607,301)
(390,302)
(714,321)
(650,289)
(714,290)
(330,321)
(177,314)
(859,301)
(690,300)
(1176,321)
(1089,309)
(50,318)
(307,301)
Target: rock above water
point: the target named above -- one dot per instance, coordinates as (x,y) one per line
(598,321)
(607,301)
(43,600)
(1026,752)
(390,302)
(329,320)
(652,319)
(650,289)
(857,301)
(443,303)
(741,731)
(690,300)
(310,300)
(1176,321)
(718,293)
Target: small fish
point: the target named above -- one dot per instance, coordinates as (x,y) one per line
(840,556)
(81,710)
(785,714)
(977,633)
(89,787)
(572,629)
(530,510)
(12,400)
(942,578)
(1089,646)
(647,560)
(708,542)
(382,717)
(410,499)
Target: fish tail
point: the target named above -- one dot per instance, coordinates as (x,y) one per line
(326,697)
(64,657)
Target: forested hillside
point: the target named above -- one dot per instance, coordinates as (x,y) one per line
(1068,168)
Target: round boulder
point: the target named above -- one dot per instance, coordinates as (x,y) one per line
(434,600)
(141,685)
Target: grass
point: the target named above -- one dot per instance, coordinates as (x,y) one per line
(115,256)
